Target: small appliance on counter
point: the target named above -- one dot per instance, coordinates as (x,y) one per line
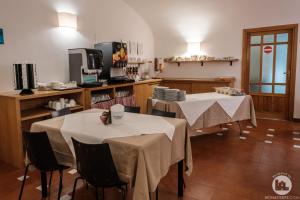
(115,60)
(86,66)
(25,77)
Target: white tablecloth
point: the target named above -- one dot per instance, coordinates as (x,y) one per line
(196,104)
(87,127)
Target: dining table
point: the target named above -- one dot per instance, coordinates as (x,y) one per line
(143,147)
(205,110)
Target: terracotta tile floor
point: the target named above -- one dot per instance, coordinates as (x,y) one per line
(225,167)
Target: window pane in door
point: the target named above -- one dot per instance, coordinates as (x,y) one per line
(254,88)
(281,63)
(254,64)
(284,37)
(256,39)
(266,89)
(267,68)
(269,38)
(279,89)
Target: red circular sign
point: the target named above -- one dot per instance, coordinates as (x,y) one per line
(268,49)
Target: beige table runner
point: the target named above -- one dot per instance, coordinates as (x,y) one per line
(212,116)
(141,161)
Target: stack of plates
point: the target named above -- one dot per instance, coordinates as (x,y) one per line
(181,95)
(159,92)
(171,94)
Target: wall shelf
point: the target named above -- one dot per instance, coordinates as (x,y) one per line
(202,62)
(138,63)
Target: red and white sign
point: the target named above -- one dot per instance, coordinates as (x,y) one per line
(268,49)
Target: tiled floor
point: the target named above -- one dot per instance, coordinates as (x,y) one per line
(225,167)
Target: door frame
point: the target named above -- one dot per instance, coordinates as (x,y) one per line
(245,57)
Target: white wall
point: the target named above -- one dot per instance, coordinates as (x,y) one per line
(31,33)
(218,24)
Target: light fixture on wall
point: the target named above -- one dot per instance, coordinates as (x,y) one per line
(67,20)
(193,48)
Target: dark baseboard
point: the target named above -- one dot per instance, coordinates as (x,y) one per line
(296,119)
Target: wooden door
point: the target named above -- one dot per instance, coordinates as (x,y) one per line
(269,64)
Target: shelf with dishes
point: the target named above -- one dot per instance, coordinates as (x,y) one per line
(41,105)
(41,112)
(138,63)
(179,61)
(104,99)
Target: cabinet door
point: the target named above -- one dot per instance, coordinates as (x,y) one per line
(142,93)
(139,91)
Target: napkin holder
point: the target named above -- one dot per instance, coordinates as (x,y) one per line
(117,113)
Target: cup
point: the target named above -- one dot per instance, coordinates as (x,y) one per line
(72,102)
(50,104)
(62,102)
(57,105)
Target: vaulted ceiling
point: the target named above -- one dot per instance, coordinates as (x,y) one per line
(192,20)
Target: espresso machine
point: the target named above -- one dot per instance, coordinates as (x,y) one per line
(115,60)
(86,66)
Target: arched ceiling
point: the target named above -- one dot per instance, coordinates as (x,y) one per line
(193,20)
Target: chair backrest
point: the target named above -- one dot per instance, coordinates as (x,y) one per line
(95,164)
(163,113)
(62,112)
(132,109)
(39,151)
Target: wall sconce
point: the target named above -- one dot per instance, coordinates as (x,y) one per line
(68,20)
(194,48)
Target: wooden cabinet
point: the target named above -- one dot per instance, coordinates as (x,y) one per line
(110,90)
(182,85)
(19,112)
(192,86)
(143,91)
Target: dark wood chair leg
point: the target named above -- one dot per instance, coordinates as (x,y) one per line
(44,184)
(96,191)
(23,182)
(87,185)
(50,182)
(240,127)
(74,187)
(123,191)
(156,193)
(103,194)
(180,178)
(60,184)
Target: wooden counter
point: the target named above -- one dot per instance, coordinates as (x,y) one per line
(142,91)
(19,112)
(192,85)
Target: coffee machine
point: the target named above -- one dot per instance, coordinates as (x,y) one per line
(115,60)
(86,66)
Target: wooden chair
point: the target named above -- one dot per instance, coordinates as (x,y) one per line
(132,109)
(163,113)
